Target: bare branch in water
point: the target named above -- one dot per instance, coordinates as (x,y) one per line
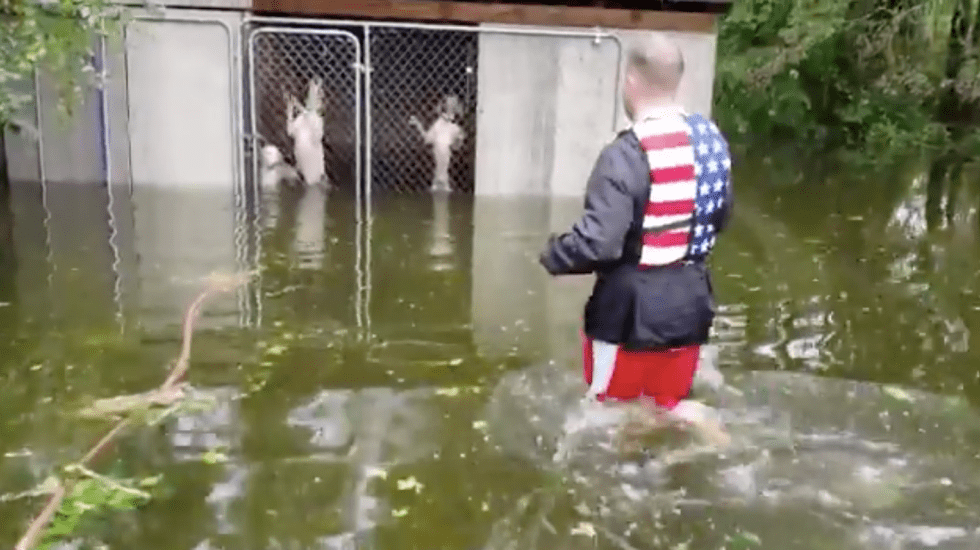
(217,284)
(34,531)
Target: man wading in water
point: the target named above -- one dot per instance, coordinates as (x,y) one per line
(657,197)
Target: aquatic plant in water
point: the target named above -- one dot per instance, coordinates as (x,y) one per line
(91,496)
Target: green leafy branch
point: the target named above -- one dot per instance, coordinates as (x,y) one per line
(883,78)
(92,494)
(57,35)
(82,488)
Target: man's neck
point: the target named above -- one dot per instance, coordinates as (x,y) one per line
(658,108)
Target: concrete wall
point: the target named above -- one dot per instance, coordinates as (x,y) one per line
(23,154)
(164,138)
(546,106)
(72,148)
(182,101)
(171,109)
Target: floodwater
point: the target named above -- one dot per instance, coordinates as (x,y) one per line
(407,378)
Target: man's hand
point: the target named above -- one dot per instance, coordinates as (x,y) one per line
(598,237)
(545,259)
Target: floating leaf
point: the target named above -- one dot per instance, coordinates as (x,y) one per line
(214,457)
(276,349)
(584,528)
(898,393)
(409,484)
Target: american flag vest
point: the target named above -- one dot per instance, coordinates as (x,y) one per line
(690,171)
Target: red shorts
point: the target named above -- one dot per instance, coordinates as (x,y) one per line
(666,376)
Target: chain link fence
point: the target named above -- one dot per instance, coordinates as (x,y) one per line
(423,109)
(420,96)
(285,64)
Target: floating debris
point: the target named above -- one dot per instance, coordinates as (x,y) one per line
(276,349)
(897,393)
(409,484)
(584,528)
(214,457)
(399,513)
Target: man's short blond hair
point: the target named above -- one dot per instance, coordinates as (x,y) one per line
(658,60)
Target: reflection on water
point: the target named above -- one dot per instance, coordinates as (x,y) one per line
(411,380)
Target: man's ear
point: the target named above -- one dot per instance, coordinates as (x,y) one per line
(630,78)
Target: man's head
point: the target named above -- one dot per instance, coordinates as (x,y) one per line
(654,67)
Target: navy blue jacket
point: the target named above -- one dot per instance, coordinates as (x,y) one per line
(651,308)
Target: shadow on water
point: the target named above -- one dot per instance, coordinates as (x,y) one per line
(405,380)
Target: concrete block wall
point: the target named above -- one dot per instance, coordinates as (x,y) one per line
(159,150)
(182,100)
(23,162)
(547,105)
(169,113)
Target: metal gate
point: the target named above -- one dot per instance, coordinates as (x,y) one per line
(392,80)
(293,70)
(287,64)
(423,84)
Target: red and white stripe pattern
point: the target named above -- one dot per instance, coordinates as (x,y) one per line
(673,180)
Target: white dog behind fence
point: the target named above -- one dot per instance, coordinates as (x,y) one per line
(444,137)
(304,124)
(275,169)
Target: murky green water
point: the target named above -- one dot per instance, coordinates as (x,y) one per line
(404,380)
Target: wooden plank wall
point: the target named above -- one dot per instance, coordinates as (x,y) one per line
(473,13)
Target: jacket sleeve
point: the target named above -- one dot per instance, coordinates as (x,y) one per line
(599,235)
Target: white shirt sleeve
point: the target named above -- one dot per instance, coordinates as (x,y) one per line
(603,361)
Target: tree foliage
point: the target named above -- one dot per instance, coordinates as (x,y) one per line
(879,77)
(57,35)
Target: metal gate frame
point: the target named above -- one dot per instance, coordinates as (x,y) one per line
(364,214)
(249,296)
(250,34)
(269,26)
